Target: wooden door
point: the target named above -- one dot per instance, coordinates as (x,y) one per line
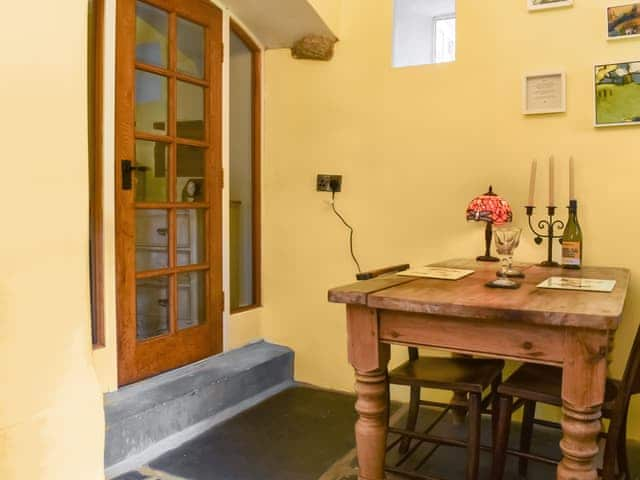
(168,185)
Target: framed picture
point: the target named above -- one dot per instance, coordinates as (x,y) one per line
(617,94)
(546,4)
(544,93)
(623,21)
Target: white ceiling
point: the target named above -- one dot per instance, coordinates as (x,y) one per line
(279,23)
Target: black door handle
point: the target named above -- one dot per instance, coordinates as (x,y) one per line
(127,168)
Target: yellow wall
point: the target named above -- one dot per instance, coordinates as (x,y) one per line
(415,144)
(51,420)
(329,10)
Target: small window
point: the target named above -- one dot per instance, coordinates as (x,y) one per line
(444,39)
(244,170)
(424,32)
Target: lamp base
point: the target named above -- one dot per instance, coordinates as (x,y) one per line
(503,283)
(511,274)
(547,263)
(487,258)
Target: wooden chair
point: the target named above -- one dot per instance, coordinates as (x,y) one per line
(537,383)
(467,377)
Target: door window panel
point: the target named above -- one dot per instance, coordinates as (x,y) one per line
(151,103)
(191,299)
(190,105)
(190,185)
(151,34)
(191,38)
(191,237)
(152,239)
(152,307)
(151,177)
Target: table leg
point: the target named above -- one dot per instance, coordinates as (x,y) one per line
(369,359)
(371,427)
(459,413)
(583,384)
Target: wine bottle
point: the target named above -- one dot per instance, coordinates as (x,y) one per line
(572,239)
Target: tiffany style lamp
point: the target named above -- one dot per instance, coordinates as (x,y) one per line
(491,209)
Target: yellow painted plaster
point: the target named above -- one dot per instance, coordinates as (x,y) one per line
(51,418)
(329,10)
(415,145)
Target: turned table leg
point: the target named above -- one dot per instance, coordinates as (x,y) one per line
(371,427)
(459,398)
(369,359)
(583,384)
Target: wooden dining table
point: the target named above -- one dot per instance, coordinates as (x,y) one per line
(570,329)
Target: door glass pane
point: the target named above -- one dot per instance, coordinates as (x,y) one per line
(151,183)
(190,111)
(151,103)
(191,237)
(190,48)
(191,300)
(241,174)
(152,239)
(152,307)
(151,35)
(190,174)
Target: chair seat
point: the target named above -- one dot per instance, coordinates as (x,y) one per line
(543,383)
(455,374)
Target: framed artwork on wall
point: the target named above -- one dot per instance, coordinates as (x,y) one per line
(546,4)
(617,94)
(623,21)
(544,93)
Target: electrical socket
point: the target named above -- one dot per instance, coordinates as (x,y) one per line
(324,182)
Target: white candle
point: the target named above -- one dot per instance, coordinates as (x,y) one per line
(551,181)
(532,182)
(572,182)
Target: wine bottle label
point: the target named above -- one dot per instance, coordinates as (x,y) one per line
(571,253)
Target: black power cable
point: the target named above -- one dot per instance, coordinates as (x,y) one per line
(333,207)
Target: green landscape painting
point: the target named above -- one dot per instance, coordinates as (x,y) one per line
(617,94)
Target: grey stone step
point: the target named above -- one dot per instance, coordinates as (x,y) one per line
(147,418)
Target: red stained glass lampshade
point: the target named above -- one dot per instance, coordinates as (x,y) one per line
(492,209)
(489,208)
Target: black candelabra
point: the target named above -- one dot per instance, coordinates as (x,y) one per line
(551,226)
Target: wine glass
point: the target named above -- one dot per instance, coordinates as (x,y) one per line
(506,240)
(512,272)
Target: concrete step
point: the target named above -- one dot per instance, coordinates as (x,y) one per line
(147,418)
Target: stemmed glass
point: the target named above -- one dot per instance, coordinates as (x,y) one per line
(512,272)
(506,240)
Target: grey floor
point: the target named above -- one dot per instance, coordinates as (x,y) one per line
(307,434)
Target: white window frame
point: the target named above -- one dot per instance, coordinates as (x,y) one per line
(434,37)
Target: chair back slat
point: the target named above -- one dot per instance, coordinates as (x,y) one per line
(635,374)
(413,351)
(636,386)
(382,271)
(631,378)
(616,437)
